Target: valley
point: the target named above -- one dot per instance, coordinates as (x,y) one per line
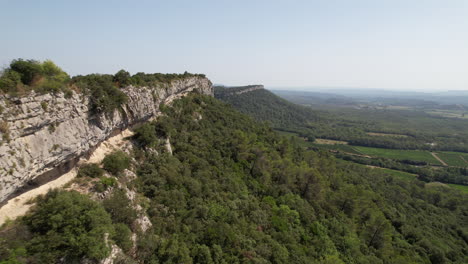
(407,140)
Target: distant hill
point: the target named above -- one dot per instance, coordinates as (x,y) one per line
(263,105)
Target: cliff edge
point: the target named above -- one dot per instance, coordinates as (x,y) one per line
(43,136)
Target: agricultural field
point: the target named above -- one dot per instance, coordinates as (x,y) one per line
(397,154)
(449,113)
(339,147)
(462,188)
(457,159)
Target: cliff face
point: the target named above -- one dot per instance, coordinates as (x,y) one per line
(249,88)
(44,135)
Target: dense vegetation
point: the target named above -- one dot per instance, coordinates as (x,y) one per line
(25,75)
(234,191)
(63,225)
(252,196)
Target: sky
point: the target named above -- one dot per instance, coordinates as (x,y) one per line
(403,45)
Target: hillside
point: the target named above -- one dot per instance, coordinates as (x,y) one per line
(199,182)
(206,184)
(265,106)
(420,130)
(397,140)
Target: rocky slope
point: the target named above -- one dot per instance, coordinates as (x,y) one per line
(228,91)
(43,136)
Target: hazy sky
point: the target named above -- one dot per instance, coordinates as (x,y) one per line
(409,44)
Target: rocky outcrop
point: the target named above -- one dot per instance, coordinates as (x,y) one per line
(249,88)
(43,136)
(222,92)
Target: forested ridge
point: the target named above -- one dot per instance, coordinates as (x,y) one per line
(419,130)
(234,191)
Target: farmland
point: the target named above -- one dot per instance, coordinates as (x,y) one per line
(397,154)
(454,159)
(462,188)
(457,159)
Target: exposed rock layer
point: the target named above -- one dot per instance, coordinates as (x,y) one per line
(44,135)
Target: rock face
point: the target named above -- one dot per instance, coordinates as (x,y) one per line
(249,88)
(44,135)
(221,92)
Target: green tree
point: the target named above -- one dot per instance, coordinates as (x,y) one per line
(122,78)
(116,162)
(28,69)
(120,208)
(70,225)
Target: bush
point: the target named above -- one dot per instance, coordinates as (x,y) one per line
(146,135)
(105,183)
(90,170)
(119,207)
(25,75)
(9,82)
(116,162)
(105,97)
(123,237)
(68,225)
(27,69)
(122,78)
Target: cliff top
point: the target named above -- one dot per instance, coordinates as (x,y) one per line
(25,76)
(226,91)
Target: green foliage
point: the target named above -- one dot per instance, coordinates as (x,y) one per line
(123,237)
(70,225)
(105,183)
(122,78)
(9,82)
(26,75)
(159,79)
(145,135)
(105,96)
(90,170)
(116,162)
(234,191)
(119,207)
(27,69)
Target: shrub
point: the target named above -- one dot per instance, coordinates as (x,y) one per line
(122,78)
(44,105)
(9,81)
(68,225)
(27,69)
(25,75)
(119,207)
(146,135)
(104,184)
(105,96)
(90,170)
(123,237)
(116,162)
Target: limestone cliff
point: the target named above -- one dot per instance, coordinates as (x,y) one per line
(44,135)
